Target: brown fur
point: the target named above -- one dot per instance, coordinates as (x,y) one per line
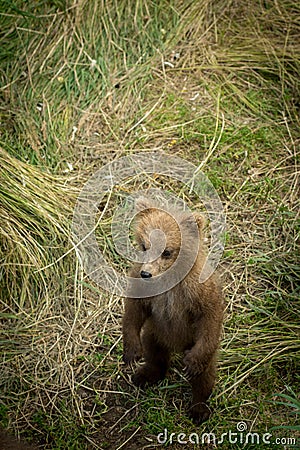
(187,318)
(8,442)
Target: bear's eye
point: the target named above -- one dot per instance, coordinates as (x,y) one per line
(166,253)
(143,247)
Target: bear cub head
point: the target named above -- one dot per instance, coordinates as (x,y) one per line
(161,235)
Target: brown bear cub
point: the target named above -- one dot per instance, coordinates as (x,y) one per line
(186,318)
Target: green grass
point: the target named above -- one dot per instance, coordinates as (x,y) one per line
(83,84)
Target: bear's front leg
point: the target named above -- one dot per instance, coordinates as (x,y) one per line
(200,368)
(156,359)
(200,360)
(202,377)
(133,320)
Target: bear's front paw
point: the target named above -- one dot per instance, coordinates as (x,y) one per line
(199,413)
(140,377)
(132,353)
(148,374)
(193,364)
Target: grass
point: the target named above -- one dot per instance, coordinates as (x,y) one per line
(84,83)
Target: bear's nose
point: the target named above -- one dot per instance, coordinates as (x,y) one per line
(145,274)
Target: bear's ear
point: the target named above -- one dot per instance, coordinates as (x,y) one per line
(143,203)
(200,220)
(194,217)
